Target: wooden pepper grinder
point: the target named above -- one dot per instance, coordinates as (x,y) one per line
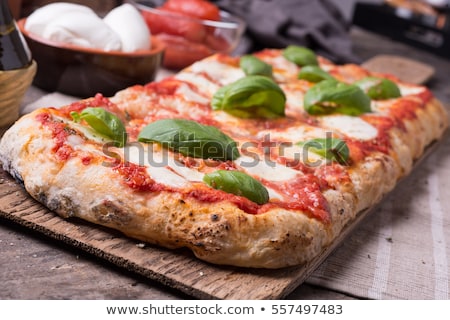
(17,68)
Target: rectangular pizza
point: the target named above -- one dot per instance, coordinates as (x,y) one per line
(254,161)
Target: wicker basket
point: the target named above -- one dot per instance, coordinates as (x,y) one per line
(13,85)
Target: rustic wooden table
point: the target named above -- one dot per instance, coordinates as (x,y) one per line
(32,266)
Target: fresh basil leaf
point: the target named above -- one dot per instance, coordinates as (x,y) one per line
(251,97)
(75,116)
(333,149)
(255,66)
(331,96)
(238,183)
(379,88)
(105,123)
(191,139)
(314,74)
(301,56)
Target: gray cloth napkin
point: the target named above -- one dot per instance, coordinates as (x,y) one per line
(402,250)
(317,24)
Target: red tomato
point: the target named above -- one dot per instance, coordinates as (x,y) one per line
(200,9)
(186,41)
(190,30)
(180,52)
(154,22)
(217,42)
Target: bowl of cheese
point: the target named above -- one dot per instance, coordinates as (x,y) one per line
(81,54)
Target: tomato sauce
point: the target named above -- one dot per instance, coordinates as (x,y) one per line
(60,132)
(425,96)
(210,195)
(137,178)
(164,87)
(295,164)
(86,160)
(134,128)
(73,107)
(305,194)
(98,101)
(168,88)
(333,174)
(402,109)
(227,59)
(406,109)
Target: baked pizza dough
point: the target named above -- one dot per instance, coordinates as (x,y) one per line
(160,196)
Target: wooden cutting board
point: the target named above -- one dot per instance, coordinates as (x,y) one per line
(178,269)
(405,69)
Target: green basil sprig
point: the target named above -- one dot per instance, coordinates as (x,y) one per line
(379,88)
(314,74)
(251,97)
(332,96)
(333,149)
(238,183)
(252,65)
(191,138)
(301,56)
(105,123)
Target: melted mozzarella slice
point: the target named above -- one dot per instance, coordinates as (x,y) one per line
(190,95)
(288,143)
(204,85)
(266,169)
(281,64)
(293,134)
(89,133)
(352,127)
(409,89)
(294,98)
(301,153)
(220,72)
(273,194)
(231,123)
(161,166)
(189,174)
